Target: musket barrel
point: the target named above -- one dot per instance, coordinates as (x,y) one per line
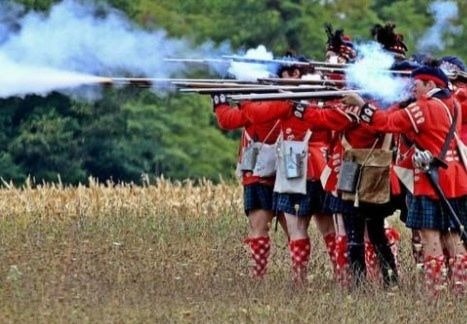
(228,59)
(344,70)
(294,96)
(330,69)
(197,60)
(168,80)
(242,59)
(217,85)
(251,90)
(301,81)
(237,58)
(148,82)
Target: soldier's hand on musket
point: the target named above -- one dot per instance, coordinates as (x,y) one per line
(422,159)
(353,112)
(218,99)
(358,107)
(353,99)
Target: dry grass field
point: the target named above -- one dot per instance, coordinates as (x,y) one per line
(171,253)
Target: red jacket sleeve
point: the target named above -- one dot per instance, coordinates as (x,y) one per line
(396,121)
(260,112)
(230,118)
(326,119)
(461,96)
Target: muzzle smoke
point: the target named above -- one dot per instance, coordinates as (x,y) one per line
(371,74)
(74,41)
(252,72)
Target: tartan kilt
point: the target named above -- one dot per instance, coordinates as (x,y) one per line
(308,204)
(424,212)
(335,205)
(257,196)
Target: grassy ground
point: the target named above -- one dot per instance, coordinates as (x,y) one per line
(171,253)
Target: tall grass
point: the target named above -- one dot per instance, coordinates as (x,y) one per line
(171,252)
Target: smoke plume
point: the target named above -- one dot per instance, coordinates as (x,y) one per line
(252,72)
(76,40)
(371,73)
(444,13)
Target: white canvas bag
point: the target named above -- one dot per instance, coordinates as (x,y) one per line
(292,161)
(266,161)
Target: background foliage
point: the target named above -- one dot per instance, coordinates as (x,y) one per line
(130,132)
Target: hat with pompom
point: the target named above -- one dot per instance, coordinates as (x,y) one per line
(340,44)
(390,41)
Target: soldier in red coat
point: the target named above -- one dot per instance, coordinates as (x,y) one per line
(257,160)
(300,197)
(372,256)
(261,125)
(256,142)
(426,123)
(312,126)
(393,43)
(369,216)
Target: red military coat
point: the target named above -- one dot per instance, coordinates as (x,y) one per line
(315,118)
(230,118)
(425,123)
(461,96)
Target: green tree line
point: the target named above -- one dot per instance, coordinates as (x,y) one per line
(130,132)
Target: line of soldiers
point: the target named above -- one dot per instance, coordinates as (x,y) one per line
(333,159)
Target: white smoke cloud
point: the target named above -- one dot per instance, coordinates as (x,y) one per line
(371,74)
(443,12)
(19,79)
(250,71)
(73,38)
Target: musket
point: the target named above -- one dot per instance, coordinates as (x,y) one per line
(197,60)
(433,177)
(251,90)
(229,59)
(344,70)
(301,81)
(294,95)
(291,62)
(148,82)
(217,84)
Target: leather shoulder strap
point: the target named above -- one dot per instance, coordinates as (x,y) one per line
(452,128)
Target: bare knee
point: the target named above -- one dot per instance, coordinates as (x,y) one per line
(297,226)
(453,243)
(260,222)
(431,240)
(324,223)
